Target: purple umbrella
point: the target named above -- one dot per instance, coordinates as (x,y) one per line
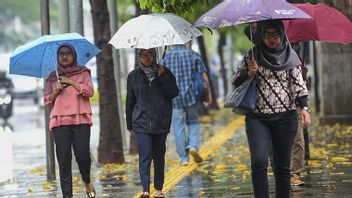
(234,12)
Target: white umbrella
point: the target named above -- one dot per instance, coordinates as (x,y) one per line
(154,30)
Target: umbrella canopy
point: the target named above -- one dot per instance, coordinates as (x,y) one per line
(39,57)
(234,12)
(326,24)
(154,30)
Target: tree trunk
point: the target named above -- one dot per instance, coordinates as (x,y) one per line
(223,72)
(110,148)
(201,44)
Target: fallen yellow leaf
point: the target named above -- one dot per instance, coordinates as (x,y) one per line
(38,170)
(345,163)
(241,167)
(314,163)
(332,145)
(46,186)
(76,188)
(339,159)
(200,193)
(340,173)
(220,167)
(329,165)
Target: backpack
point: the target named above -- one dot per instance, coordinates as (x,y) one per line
(198,84)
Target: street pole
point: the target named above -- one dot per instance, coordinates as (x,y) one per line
(64,25)
(112,7)
(316,82)
(50,157)
(76,16)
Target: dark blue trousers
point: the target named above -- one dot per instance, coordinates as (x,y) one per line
(277,130)
(151,147)
(78,138)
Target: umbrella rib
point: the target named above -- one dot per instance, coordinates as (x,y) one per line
(42,59)
(19,56)
(53,55)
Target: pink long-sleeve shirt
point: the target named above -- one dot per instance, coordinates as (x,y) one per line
(71,107)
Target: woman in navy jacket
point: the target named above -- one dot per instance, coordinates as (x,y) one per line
(150,90)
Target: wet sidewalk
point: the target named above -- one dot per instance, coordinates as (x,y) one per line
(224,173)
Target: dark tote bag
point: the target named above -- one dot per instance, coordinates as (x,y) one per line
(243,99)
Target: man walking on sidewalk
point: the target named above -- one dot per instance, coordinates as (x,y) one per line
(183,63)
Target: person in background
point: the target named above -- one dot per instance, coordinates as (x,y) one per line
(71,117)
(7,96)
(150,90)
(183,63)
(298,147)
(279,87)
(6,82)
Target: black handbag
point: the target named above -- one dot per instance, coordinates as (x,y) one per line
(243,98)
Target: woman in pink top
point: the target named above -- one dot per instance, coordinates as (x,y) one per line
(70,117)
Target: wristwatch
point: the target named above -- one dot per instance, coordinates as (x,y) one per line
(306,108)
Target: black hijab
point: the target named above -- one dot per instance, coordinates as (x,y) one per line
(281,58)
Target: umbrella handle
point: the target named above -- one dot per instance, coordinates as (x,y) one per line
(251,33)
(57,75)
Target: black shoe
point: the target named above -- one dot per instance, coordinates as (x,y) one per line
(144,195)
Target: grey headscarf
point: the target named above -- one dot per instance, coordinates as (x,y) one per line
(152,70)
(281,58)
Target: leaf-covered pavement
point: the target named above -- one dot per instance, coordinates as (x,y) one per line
(224,173)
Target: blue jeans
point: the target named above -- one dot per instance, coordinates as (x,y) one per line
(279,130)
(151,147)
(185,127)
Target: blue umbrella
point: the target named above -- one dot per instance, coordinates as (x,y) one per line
(39,57)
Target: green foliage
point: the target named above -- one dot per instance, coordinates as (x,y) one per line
(240,41)
(192,10)
(19,21)
(54,16)
(27,10)
(173,6)
(95,98)
(125,10)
